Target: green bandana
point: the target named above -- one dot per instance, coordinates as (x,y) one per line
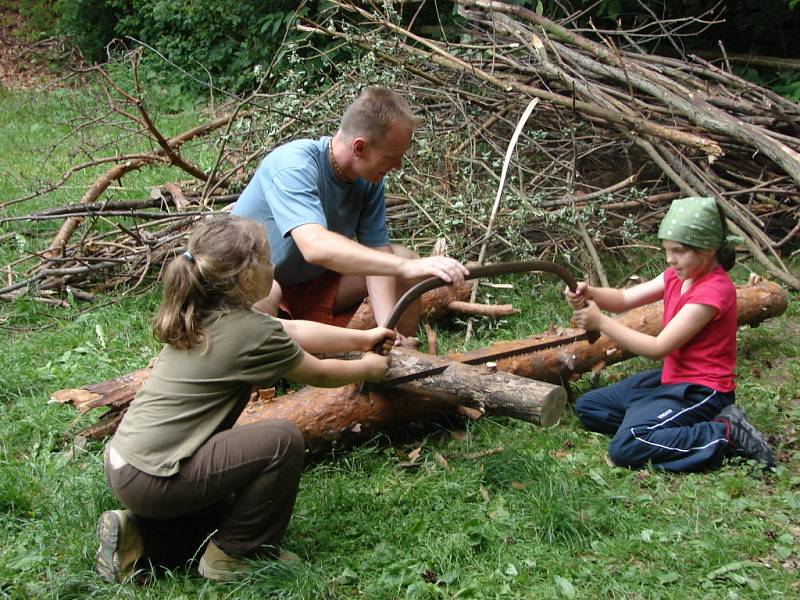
(694,222)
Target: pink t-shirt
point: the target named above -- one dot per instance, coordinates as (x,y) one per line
(709,358)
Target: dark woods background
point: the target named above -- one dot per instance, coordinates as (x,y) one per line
(222,41)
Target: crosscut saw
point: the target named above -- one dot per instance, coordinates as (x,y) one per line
(489,355)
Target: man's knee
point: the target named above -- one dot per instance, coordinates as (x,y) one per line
(271,303)
(403,252)
(404,284)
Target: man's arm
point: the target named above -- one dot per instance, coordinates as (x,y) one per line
(335,252)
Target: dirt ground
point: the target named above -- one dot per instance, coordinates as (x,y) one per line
(22,66)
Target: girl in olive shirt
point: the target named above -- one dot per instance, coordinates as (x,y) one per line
(183,472)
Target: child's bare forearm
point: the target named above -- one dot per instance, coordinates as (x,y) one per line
(610,299)
(318,337)
(335,372)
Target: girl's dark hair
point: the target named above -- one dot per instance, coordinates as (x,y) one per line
(726,254)
(208,277)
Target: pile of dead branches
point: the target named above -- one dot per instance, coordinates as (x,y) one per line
(617,133)
(611,118)
(103,241)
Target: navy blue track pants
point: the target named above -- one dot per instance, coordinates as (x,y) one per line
(669,426)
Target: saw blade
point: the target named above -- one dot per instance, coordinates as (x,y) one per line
(486,356)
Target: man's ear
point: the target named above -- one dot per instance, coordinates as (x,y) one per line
(359,146)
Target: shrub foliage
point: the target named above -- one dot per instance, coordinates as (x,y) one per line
(217,40)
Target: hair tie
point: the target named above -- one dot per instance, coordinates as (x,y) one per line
(188,255)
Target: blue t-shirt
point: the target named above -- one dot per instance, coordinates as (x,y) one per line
(295,185)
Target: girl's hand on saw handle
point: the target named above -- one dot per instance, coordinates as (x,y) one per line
(587,313)
(579,297)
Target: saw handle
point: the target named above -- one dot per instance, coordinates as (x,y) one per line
(484,271)
(591,336)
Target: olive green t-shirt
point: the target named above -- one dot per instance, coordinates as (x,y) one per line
(189,393)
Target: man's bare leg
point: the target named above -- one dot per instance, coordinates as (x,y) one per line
(353,289)
(409,321)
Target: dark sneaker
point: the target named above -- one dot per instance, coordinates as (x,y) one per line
(120,545)
(747,441)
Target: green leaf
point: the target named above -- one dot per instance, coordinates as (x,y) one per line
(723,570)
(565,586)
(670,577)
(597,477)
(448,577)
(347,577)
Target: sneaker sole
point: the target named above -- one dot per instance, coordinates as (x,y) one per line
(760,451)
(107,557)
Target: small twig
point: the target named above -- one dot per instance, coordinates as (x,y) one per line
(482,453)
(483,310)
(430,335)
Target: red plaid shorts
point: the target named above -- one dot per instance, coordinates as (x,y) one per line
(313,300)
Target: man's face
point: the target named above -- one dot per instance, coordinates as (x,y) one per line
(378,158)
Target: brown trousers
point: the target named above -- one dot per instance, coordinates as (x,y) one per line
(239,489)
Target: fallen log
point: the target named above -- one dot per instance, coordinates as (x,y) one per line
(479,387)
(349,413)
(352,413)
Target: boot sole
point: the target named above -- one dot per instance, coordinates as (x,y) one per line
(107,556)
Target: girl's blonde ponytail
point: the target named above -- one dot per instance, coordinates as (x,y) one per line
(208,277)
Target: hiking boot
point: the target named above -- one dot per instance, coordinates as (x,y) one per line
(215,564)
(120,545)
(218,566)
(747,441)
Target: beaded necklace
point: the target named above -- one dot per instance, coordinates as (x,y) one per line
(336,168)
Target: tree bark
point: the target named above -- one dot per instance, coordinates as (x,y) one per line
(477,387)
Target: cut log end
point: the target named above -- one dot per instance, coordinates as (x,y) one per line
(553,407)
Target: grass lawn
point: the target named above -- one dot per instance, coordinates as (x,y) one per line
(538,513)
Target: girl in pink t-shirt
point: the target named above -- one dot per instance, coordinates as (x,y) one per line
(681,417)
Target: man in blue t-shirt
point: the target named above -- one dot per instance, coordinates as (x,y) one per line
(322,203)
